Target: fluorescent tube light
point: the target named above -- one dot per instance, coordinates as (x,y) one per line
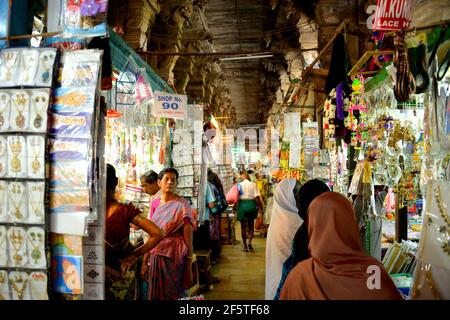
(247,57)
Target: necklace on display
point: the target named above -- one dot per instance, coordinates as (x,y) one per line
(20,100)
(2,153)
(20,292)
(17,239)
(4,101)
(16,148)
(36,209)
(2,282)
(10,60)
(35,145)
(29,60)
(36,294)
(16,189)
(47,62)
(2,237)
(2,197)
(42,101)
(38,237)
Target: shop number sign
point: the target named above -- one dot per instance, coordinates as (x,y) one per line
(393,15)
(169,105)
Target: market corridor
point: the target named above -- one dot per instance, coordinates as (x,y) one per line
(241,274)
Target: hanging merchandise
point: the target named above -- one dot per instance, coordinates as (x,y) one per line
(404,84)
(84,18)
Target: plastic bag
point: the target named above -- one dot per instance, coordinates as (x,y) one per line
(232,196)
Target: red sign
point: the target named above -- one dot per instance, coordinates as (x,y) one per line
(394,15)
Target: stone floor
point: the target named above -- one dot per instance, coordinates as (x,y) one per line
(241,274)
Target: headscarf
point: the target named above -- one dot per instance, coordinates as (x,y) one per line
(306,194)
(284,223)
(338,268)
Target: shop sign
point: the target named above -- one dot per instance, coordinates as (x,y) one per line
(393,15)
(169,105)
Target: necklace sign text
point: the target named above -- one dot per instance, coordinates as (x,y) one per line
(169,105)
(392,15)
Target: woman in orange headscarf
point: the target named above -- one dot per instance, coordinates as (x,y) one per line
(338,269)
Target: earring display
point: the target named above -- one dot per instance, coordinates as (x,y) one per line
(36,156)
(45,71)
(3,156)
(38,286)
(17,244)
(17,157)
(20,109)
(36,210)
(36,248)
(3,254)
(4,111)
(19,283)
(4,285)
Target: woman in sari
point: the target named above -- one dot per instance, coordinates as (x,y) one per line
(338,268)
(121,257)
(170,262)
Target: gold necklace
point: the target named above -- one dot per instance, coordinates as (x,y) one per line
(21,100)
(15,146)
(4,101)
(2,196)
(37,122)
(8,57)
(28,57)
(21,291)
(445,229)
(17,204)
(2,282)
(36,209)
(17,240)
(36,254)
(36,164)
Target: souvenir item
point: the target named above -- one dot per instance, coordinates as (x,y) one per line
(4,216)
(17,157)
(4,285)
(74,100)
(70,200)
(36,248)
(3,156)
(9,66)
(36,210)
(69,174)
(63,244)
(17,244)
(4,110)
(71,124)
(38,110)
(17,201)
(36,157)
(44,74)
(38,286)
(19,284)
(67,149)
(86,18)
(3,251)
(67,274)
(29,67)
(20,110)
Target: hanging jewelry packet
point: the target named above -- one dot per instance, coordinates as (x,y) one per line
(19,284)
(3,249)
(84,18)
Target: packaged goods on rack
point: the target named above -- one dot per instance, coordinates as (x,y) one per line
(84,18)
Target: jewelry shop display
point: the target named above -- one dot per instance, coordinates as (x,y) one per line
(36,156)
(19,285)
(3,201)
(3,255)
(16,157)
(29,66)
(17,201)
(4,286)
(4,111)
(38,286)
(36,248)
(39,105)
(20,103)
(45,72)
(9,66)
(17,247)
(36,208)
(3,156)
